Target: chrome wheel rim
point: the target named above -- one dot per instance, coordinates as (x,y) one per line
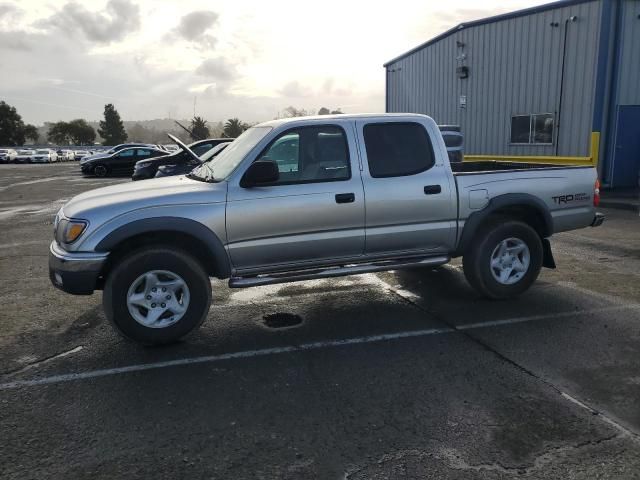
(510,261)
(158,299)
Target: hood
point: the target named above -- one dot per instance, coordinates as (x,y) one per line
(94,156)
(103,204)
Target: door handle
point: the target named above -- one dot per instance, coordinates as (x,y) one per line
(432,189)
(345,197)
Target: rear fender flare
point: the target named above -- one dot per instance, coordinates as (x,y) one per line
(477,219)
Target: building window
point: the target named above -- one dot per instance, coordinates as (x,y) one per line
(532,129)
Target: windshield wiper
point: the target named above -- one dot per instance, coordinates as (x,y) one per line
(193,176)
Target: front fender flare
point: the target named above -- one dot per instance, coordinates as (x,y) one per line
(195,229)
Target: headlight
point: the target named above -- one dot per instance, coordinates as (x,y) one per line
(70,230)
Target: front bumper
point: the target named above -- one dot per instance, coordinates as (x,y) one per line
(597,220)
(75,272)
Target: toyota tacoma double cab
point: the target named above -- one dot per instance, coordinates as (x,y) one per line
(309,198)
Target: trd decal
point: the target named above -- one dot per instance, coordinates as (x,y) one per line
(576,197)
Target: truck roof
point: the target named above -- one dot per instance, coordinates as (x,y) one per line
(341,116)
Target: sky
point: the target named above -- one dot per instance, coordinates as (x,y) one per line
(248,59)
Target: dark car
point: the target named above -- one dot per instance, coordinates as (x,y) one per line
(147,168)
(184,168)
(118,163)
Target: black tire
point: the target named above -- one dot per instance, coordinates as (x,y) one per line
(130,268)
(100,170)
(476,261)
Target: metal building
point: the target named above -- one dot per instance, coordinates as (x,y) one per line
(555,83)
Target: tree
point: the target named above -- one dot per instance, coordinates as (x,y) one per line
(76,132)
(292,111)
(31,132)
(111,128)
(234,127)
(58,133)
(199,128)
(324,111)
(12,127)
(80,132)
(336,112)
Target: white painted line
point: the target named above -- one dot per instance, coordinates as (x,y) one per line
(292,349)
(546,316)
(625,431)
(217,358)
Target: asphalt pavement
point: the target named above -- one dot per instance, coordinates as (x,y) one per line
(405,374)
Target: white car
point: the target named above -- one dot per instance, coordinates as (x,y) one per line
(7,155)
(67,156)
(44,156)
(25,156)
(80,154)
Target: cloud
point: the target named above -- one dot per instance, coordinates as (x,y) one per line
(7,9)
(296,90)
(119,19)
(193,27)
(17,40)
(330,89)
(216,69)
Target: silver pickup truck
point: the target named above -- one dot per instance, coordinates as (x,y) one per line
(310,198)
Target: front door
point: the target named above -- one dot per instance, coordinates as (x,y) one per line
(626,163)
(313,214)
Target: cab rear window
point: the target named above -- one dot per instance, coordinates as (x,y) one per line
(397,149)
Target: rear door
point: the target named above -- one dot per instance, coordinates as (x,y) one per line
(409,188)
(313,214)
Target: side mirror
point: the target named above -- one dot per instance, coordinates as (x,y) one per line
(260,172)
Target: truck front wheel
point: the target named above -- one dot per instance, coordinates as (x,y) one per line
(157,295)
(505,259)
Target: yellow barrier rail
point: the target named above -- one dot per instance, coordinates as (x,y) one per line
(588,161)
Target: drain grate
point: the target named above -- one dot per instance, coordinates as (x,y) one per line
(282,320)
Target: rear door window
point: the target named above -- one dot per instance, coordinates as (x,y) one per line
(397,149)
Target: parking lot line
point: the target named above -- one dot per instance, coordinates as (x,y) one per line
(224,356)
(530,318)
(295,348)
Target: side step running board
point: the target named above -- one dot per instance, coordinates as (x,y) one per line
(353,269)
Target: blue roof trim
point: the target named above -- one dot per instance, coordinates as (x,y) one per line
(484,21)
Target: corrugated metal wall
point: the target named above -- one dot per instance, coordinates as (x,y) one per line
(514,68)
(629,74)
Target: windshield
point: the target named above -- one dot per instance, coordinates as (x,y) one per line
(42,152)
(231,157)
(208,155)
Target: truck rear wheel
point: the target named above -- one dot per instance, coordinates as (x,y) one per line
(505,261)
(157,295)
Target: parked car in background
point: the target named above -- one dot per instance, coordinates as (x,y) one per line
(44,155)
(172,147)
(25,155)
(65,155)
(120,162)
(80,154)
(108,152)
(7,155)
(184,168)
(147,168)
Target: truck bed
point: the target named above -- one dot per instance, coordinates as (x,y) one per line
(485,166)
